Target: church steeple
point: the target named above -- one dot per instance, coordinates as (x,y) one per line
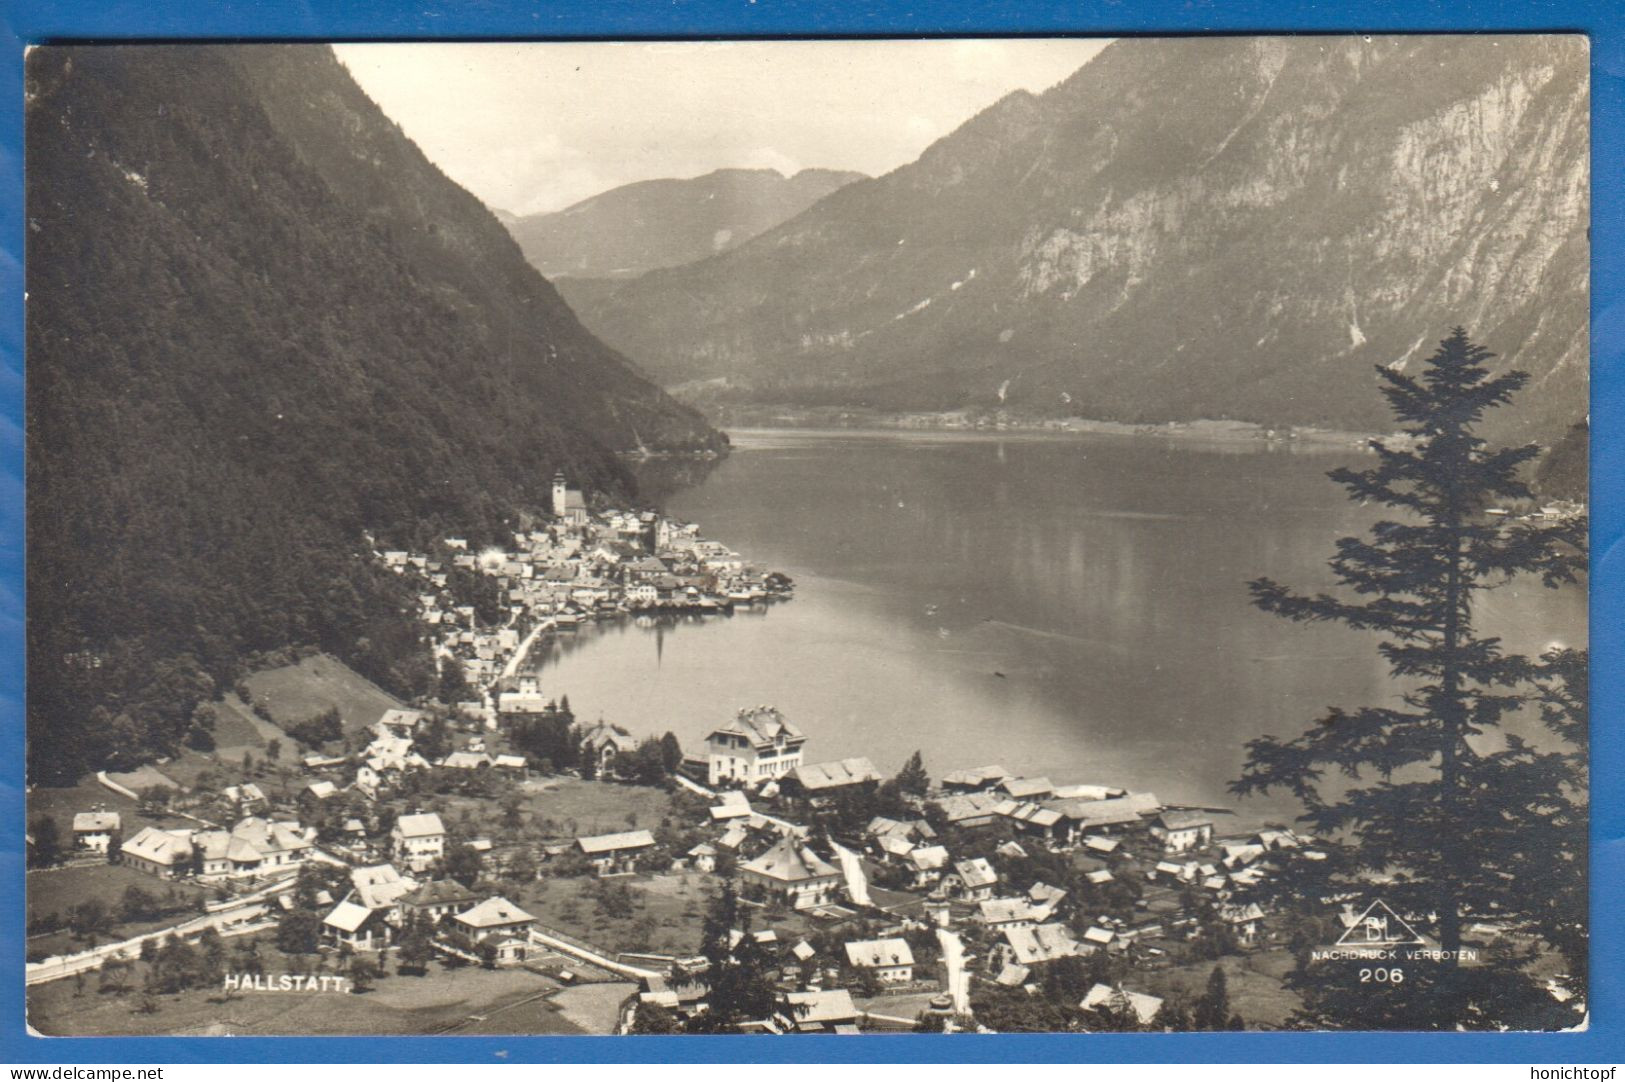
(560,494)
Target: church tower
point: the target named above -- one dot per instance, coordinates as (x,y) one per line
(560,498)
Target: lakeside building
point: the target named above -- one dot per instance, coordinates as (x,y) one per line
(758,745)
(820,782)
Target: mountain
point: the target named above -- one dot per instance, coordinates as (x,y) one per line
(664,223)
(261,325)
(1186,227)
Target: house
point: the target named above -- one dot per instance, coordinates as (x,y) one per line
(915,829)
(703,857)
(794,872)
(1096,843)
(819,782)
(496,916)
(603,742)
(1137,1006)
(825,1011)
(757,745)
(253,847)
(968,781)
(1032,819)
(970,810)
(1026,788)
(616,854)
(397,722)
(93,831)
(1182,830)
(318,791)
(1116,814)
(1001,913)
(1099,938)
(1244,920)
(466,760)
(974,879)
(418,840)
(890,960)
(354,925)
(248,797)
(1029,945)
(166,854)
(380,887)
(894,847)
(513,763)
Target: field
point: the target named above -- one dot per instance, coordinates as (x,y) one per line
(665,916)
(294,693)
(1254,983)
(443,1000)
(55,890)
(576,808)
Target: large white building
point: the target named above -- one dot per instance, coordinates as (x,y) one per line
(418,840)
(755,747)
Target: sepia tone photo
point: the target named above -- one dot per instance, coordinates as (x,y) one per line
(808,537)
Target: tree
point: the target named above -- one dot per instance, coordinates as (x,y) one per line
(1212,1010)
(47,847)
(363,972)
(273,751)
(298,932)
(463,864)
(1414,582)
(912,780)
(738,975)
(671,752)
(416,945)
(651,1018)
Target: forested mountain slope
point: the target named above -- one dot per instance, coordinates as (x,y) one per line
(260,325)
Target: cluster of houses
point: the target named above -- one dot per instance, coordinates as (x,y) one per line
(585,566)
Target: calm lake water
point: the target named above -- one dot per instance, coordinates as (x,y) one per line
(1071,606)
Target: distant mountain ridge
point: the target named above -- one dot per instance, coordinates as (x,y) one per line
(262,326)
(1192,227)
(651,224)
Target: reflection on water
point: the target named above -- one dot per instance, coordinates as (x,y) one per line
(1069,606)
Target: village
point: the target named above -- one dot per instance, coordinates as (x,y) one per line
(520,871)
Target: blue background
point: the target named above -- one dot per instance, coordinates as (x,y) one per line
(328,20)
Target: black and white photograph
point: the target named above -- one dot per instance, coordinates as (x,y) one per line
(779,537)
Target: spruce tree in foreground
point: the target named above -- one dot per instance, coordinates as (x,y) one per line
(1471,823)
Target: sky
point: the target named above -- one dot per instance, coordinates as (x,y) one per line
(534,127)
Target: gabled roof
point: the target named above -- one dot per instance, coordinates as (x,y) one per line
(832,775)
(821,1008)
(95,822)
(1040,943)
(1101,845)
(1119,1001)
(929,858)
(419,825)
(872,953)
(438,892)
(762,725)
(896,845)
(1005,910)
(976,777)
(158,846)
(969,806)
(612,843)
(604,735)
(1184,820)
(347,916)
(1125,809)
(1027,787)
(790,863)
(496,912)
(976,872)
(1024,812)
(321,790)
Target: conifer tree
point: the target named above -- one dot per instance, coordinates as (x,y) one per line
(1430,790)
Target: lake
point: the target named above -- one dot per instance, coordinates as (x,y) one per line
(1073,606)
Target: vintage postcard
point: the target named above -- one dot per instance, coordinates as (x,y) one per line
(933,536)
